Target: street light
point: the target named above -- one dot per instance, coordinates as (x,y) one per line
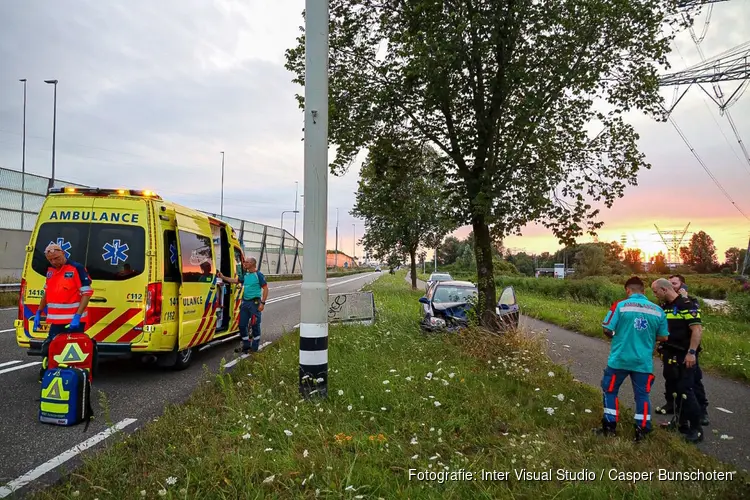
(54,130)
(23,156)
(354,243)
(222,184)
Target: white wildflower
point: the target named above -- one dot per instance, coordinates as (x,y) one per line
(393,371)
(551,374)
(246,436)
(143,493)
(561,397)
(451,375)
(349,488)
(415,457)
(725,436)
(408,378)
(386,382)
(268,449)
(587,410)
(341,392)
(269,479)
(171,480)
(76,493)
(162,493)
(437,403)
(429,376)
(305,454)
(349,407)
(414,440)
(383,408)
(287,432)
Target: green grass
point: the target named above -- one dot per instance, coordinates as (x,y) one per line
(725,342)
(382,419)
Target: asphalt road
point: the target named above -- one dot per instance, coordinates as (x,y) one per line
(133,391)
(586,358)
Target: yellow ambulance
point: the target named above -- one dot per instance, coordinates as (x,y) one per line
(153,266)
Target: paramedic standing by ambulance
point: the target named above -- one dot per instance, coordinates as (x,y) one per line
(634,325)
(67,291)
(254,298)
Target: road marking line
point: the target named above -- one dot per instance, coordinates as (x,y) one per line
(60,459)
(8,330)
(235,361)
(27,365)
(8,308)
(723,409)
(7,363)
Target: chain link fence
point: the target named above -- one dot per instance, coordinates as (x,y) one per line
(22,196)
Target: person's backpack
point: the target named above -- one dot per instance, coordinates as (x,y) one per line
(66,397)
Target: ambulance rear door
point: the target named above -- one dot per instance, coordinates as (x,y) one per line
(197,307)
(118,263)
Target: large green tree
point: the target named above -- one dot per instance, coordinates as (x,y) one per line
(401,190)
(506,90)
(700,254)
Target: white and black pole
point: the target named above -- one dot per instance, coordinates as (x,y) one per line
(313,328)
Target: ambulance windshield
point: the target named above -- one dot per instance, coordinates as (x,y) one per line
(110,252)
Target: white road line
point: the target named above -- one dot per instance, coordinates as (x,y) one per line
(230,364)
(723,409)
(8,308)
(8,363)
(60,459)
(27,365)
(8,330)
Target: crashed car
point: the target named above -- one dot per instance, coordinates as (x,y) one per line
(446,304)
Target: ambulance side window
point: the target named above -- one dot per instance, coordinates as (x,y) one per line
(171,258)
(238,261)
(196,257)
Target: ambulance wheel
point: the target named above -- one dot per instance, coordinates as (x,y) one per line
(184,359)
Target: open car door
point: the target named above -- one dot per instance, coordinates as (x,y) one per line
(507,308)
(198,288)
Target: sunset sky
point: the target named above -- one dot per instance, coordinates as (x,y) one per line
(150,92)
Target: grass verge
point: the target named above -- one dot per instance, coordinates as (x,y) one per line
(726,342)
(399,403)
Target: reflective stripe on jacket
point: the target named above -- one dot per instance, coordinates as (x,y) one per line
(63,290)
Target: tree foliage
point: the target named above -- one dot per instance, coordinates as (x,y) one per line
(506,90)
(632,260)
(700,254)
(659,264)
(400,198)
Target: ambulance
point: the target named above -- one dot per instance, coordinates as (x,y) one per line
(153,266)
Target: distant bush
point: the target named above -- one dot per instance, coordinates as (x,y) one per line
(739,304)
(705,286)
(595,290)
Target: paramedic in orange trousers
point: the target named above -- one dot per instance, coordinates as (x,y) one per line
(67,291)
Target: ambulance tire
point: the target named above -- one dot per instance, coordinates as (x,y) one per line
(184,359)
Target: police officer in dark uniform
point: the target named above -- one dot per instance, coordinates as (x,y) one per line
(679,357)
(679,285)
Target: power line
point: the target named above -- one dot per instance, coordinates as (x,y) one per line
(695,153)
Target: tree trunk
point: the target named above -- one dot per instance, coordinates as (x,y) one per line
(485,274)
(413,256)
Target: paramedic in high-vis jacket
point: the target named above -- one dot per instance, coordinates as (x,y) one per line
(67,291)
(254,295)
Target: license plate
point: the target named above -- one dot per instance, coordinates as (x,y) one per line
(42,328)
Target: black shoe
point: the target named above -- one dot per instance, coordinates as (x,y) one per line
(667,409)
(242,350)
(674,426)
(640,434)
(704,418)
(604,431)
(693,436)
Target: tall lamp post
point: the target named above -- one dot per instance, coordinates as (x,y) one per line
(354,243)
(23,157)
(222,184)
(54,130)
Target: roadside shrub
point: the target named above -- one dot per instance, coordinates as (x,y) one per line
(739,305)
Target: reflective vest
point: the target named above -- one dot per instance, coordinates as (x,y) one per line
(63,290)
